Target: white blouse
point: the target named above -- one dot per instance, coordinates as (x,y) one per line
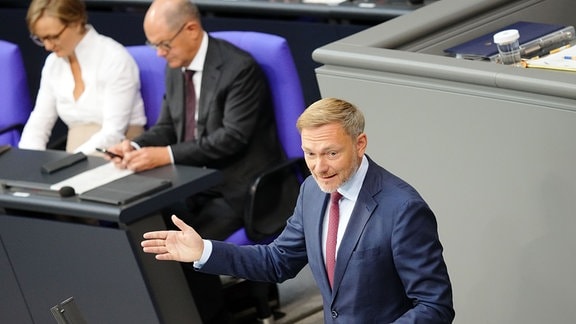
(111,96)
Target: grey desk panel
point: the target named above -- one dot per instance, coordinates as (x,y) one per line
(370,10)
(51,256)
(24,165)
(474,73)
(55,260)
(362,10)
(490,147)
(12,302)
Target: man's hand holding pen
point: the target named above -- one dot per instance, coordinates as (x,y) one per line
(126,156)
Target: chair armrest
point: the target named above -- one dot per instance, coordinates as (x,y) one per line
(57,142)
(8,128)
(272,197)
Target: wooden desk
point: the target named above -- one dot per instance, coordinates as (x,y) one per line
(49,251)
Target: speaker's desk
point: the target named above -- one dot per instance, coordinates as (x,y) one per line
(48,251)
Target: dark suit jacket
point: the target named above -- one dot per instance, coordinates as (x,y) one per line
(389,267)
(236,127)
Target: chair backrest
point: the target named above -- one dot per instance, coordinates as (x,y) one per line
(15,103)
(273,54)
(152,70)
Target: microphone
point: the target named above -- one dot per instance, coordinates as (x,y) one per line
(67,191)
(27,188)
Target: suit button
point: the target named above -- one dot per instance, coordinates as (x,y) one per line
(334,314)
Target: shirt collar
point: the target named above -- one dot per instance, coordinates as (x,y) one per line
(197,63)
(351,188)
(84,47)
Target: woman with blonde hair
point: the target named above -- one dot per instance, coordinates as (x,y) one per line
(89,81)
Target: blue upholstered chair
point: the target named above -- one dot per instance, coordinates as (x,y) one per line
(274,56)
(152,70)
(15,103)
(262,221)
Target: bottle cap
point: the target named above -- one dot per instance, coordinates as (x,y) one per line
(506,36)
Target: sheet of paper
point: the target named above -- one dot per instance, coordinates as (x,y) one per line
(564,60)
(92,178)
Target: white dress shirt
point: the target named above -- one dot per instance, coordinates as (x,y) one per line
(349,191)
(197,65)
(111,96)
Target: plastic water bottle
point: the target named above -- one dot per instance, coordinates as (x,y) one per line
(508,46)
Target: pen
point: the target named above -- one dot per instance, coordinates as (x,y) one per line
(556,50)
(110,154)
(570,57)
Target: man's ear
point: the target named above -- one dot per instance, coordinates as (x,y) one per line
(361,143)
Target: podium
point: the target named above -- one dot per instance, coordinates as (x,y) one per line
(490,147)
(54,248)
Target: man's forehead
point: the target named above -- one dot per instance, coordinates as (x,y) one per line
(323,131)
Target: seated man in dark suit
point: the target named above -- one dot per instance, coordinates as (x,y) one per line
(232,128)
(225,121)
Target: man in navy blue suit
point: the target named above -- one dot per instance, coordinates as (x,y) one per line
(388,265)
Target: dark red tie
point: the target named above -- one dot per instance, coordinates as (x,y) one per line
(332,235)
(190,106)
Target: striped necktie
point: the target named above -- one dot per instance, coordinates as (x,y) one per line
(332,235)
(190,106)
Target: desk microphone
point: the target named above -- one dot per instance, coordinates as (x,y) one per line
(67,191)
(29,187)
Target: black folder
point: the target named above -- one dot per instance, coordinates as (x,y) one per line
(125,190)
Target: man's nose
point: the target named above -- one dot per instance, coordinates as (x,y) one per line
(320,164)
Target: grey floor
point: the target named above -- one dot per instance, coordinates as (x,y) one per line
(300,300)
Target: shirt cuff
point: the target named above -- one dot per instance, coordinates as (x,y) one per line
(135,145)
(205,254)
(171,154)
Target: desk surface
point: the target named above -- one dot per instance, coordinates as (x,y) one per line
(24,165)
(349,9)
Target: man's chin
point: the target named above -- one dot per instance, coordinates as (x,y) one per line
(328,186)
(174,64)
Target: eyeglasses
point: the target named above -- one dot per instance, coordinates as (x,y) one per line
(165,45)
(51,38)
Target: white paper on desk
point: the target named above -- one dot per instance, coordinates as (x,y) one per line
(556,61)
(93,178)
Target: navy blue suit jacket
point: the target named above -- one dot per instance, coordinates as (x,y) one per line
(389,267)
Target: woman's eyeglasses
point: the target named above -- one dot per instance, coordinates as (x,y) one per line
(40,41)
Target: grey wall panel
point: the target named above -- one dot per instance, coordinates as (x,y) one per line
(490,147)
(499,174)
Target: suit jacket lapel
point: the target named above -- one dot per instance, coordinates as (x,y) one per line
(210,80)
(365,205)
(178,106)
(321,212)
